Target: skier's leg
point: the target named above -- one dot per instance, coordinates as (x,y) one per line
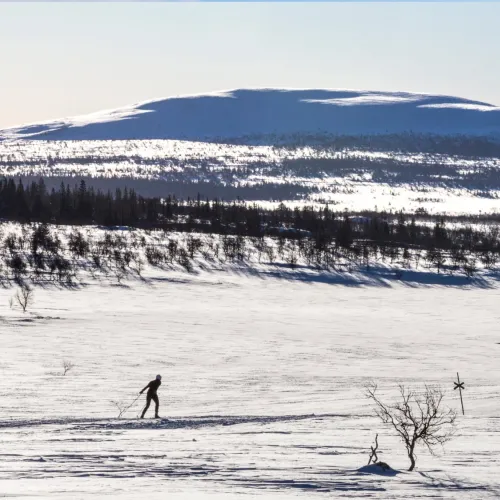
(157,404)
(148,402)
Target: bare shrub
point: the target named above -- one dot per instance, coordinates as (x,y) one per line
(489,259)
(120,406)
(24,297)
(172,248)
(120,273)
(10,244)
(229,247)
(418,419)
(139,266)
(123,407)
(67,366)
(193,245)
(292,259)
(77,243)
(61,268)
(127,257)
(184,261)
(470,268)
(259,246)
(96,260)
(270,254)
(18,266)
(154,256)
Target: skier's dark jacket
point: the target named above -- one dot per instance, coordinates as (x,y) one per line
(152,387)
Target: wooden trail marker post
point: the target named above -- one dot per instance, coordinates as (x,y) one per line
(373,454)
(460,386)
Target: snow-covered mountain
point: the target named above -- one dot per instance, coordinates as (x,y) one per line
(271,112)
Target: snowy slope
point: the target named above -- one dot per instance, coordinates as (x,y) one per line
(264,369)
(263,383)
(245,112)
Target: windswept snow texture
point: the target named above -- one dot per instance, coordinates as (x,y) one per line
(246,112)
(263,385)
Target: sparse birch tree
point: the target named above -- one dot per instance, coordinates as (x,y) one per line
(24,297)
(67,366)
(418,419)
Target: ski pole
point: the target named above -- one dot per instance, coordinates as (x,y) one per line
(130,405)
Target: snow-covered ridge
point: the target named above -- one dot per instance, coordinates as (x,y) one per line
(247,112)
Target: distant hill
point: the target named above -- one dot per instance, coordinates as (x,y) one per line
(266,113)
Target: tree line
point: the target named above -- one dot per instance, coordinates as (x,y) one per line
(362,234)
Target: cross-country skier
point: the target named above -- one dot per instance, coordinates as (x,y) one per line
(152,387)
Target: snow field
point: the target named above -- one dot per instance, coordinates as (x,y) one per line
(213,164)
(267,374)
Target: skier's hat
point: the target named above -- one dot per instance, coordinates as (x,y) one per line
(158,377)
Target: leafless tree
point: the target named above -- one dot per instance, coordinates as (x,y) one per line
(418,419)
(470,268)
(67,366)
(292,259)
(270,254)
(24,297)
(120,273)
(139,266)
(260,245)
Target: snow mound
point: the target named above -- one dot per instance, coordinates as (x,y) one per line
(274,112)
(380,469)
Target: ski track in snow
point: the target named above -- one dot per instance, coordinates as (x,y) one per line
(262,387)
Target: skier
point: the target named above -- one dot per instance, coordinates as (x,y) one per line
(152,387)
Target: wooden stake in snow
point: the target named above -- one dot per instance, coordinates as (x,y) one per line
(373,454)
(460,386)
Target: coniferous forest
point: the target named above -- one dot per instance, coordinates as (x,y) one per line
(78,205)
(319,237)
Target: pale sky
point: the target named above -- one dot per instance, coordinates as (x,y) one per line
(63,59)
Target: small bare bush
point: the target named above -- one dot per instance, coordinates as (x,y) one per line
(120,406)
(67,366)
(154,256)
(139,266)
(120,273)
(184,261)
(270,254)
(123,407)
(24,297)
